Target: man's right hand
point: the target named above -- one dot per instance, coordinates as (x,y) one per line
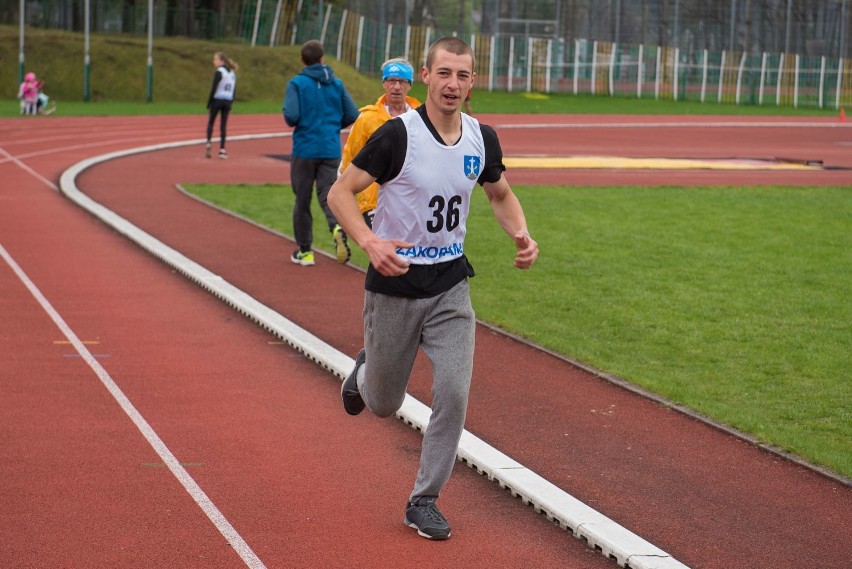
(384,258)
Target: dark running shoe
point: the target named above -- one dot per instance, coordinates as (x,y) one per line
(352,401)
(427,519)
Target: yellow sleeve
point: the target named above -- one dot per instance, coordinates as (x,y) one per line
(366,124)
(358,136)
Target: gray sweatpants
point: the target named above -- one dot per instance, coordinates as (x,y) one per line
(444,327)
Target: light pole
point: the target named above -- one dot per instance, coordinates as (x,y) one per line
(87,72)
(789,15)
(149,76)
(21,47)
(733,23)
(677,24)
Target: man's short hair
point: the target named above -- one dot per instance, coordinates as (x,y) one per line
(312,52)
(453,45)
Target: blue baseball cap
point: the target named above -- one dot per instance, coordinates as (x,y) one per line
(397,70)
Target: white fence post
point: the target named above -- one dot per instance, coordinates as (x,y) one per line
(821,80)
(296,24)
(325,24)
(358,47)
(576,63)
(762,78)
(778,86)
(388,43)
(594,67)
(275,24)
(408,43)
(704,78)
(612,70)
(721,77)
(548,66)
(658,77)
(427,40)
(340,34)
(491,64)
(529,63)
(511,63)
(676,87)
(839,83)
(640,72)
(257,9)
(796,85)
(740,76)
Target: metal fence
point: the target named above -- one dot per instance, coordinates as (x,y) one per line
(713,52)
(123,16)
(582,66)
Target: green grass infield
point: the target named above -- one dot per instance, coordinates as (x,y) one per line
(731,301)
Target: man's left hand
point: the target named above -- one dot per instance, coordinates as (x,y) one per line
(527,250)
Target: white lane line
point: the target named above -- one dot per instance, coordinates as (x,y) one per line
(27,169)
(210,509)
(601,533)
(93,135)
(63,149)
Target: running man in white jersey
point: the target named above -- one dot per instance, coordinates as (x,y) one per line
(427,163)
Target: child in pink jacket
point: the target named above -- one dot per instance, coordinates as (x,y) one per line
(28,94)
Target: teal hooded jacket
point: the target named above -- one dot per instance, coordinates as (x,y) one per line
(317,104)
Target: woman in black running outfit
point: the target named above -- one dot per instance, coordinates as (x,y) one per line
(220,99)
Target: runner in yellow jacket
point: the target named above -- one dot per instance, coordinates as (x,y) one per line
(397,78)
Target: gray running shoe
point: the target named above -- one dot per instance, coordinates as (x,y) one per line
(352,401)
(427,519)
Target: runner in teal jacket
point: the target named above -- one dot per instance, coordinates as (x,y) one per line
(318,106)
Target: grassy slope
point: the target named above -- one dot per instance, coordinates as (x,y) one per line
(183,69)
(183,72)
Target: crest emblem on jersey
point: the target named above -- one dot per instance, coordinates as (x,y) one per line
(471,167)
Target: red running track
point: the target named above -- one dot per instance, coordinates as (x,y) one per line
(260,429)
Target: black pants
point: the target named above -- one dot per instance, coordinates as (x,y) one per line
(304,172)
(219,106)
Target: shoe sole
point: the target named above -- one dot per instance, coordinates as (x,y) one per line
(412,525)
(303,263)
(341,248)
